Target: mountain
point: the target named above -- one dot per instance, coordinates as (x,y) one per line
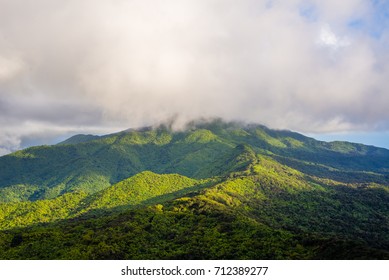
(214,190)
(80,138)
(144,188)
(198,152)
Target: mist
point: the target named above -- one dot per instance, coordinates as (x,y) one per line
(102,66)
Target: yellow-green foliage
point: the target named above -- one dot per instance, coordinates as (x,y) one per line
(239,132)
(274,174)
(294,143)
(267,214)
(19,192)
(23,154)
(270,140)
(23,214)
(233,192)
(272,195)
(343,147)
(200,136)
(92,163)
(139,188)
(145,137)
(146,187)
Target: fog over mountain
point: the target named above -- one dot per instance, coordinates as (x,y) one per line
(101,66)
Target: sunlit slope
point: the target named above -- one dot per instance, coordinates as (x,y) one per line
(262,210)
(142,189)
(90,163)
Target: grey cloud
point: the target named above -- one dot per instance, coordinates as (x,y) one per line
(69,64)
(38,108)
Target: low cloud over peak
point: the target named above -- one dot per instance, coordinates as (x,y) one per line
(311,66)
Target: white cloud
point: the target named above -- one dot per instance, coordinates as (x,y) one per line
(328,38)
(9,67)
(132,63)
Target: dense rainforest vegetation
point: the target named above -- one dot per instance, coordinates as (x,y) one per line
(214,190)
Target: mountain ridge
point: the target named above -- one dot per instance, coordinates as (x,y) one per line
(214,190)
(270,208)
(96,163)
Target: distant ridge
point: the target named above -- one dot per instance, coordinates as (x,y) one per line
(79,138)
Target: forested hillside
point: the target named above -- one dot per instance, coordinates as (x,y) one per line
(215,190)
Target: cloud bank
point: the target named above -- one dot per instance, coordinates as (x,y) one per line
(94,66)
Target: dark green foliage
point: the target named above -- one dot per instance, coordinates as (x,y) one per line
(80,138)
(23,214)
(251,193)
(90,163)
(144,188)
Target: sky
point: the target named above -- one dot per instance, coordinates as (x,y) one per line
(100,66)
